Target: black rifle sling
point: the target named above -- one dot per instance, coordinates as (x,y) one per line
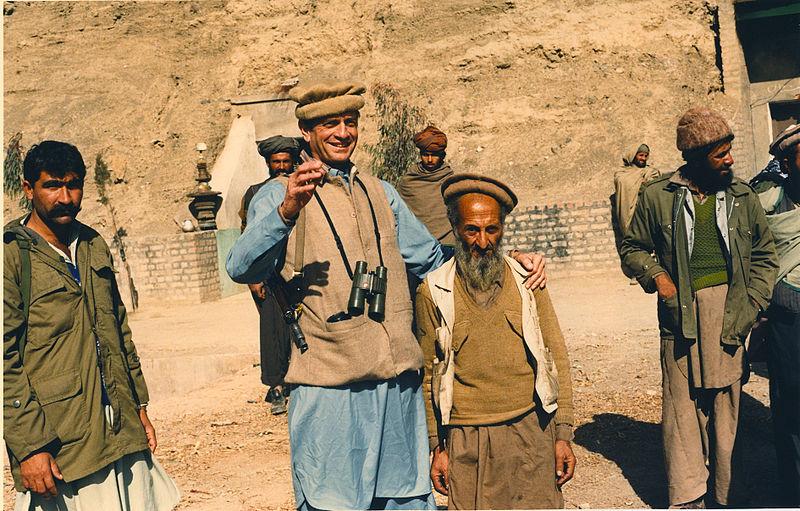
(300,242)
(374,220)
(25,288)
(336,237)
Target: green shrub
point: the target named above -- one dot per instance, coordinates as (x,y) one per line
(12,172)
(102,177)
(398,121)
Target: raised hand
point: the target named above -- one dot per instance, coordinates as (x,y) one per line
(300,188)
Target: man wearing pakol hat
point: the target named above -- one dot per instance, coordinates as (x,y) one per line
(419,187)
(627,182)
(714,268)
(497,374)
(780,197)
(280,154)
(356,418)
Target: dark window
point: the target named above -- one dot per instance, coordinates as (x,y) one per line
(770,35)
(784,114)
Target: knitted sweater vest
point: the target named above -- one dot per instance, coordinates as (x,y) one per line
(707,265)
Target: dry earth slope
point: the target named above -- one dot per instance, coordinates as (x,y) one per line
(546,94)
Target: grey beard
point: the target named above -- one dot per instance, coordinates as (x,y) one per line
(480,273)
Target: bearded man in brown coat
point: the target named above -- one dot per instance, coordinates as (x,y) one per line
(497,383)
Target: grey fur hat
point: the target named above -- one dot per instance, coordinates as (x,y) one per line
(701,127)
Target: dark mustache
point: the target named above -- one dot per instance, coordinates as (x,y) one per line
(64,210)
(484,251)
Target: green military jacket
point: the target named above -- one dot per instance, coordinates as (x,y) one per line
(52,393)
(658,241)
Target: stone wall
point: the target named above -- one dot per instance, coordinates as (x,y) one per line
(575,237)
(189,268)
(736,88)
(171,268)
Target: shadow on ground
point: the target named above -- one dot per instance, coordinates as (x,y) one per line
(758,453)
(635,447)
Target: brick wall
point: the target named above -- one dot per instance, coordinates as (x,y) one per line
(171,268)
(575,237)
(737,91)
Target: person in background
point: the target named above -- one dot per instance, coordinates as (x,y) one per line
(419,186)
(779,193)
(280,154)
(627,182)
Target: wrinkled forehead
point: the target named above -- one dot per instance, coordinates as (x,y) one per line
(281,155)
(478,204)
(337,118)
(53,178)
(720,149)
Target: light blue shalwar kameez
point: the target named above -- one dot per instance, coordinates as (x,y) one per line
(362,445)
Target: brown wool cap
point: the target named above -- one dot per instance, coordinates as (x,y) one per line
(431,139)
(789,138)
(701,127)
(322,98)
(467,182)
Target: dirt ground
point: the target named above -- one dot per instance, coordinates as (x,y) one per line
(546,94)
(227,452)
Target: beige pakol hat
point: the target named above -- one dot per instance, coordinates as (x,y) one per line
(468,182)
(788,138)
(321,98)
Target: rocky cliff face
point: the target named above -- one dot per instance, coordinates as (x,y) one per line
(547,95)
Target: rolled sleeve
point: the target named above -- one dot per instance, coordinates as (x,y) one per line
(421,252)
(255,254)
(565,432)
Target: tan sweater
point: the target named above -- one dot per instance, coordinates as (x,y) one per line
(493,374)
(494,378)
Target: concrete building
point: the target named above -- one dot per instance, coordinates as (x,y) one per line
(759,59)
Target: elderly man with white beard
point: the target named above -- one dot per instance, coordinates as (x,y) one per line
(497,377)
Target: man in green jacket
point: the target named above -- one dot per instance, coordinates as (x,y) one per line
(74,405)
(714,269)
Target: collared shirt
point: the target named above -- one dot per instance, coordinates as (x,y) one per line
(722,212)
(72,244)
(255,254)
